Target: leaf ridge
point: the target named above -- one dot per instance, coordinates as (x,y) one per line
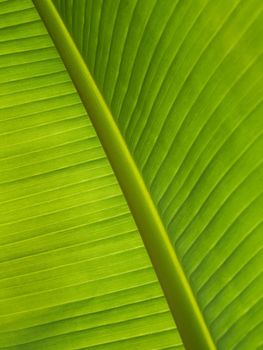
(178,291)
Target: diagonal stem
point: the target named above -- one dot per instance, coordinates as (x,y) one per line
(178,292)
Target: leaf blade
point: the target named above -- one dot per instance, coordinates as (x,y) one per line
(74,272)
(188,102)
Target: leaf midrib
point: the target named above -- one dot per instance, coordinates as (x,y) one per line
(178,292)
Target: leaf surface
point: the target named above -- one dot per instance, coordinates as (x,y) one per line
(177,106)
(183,80)
(74,271)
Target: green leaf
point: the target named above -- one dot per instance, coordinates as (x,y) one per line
(176,102)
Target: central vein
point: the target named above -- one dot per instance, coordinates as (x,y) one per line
(178,292)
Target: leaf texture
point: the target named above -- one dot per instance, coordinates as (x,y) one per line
(183,80)
(74,272)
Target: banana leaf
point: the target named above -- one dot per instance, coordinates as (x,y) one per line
(131,174)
